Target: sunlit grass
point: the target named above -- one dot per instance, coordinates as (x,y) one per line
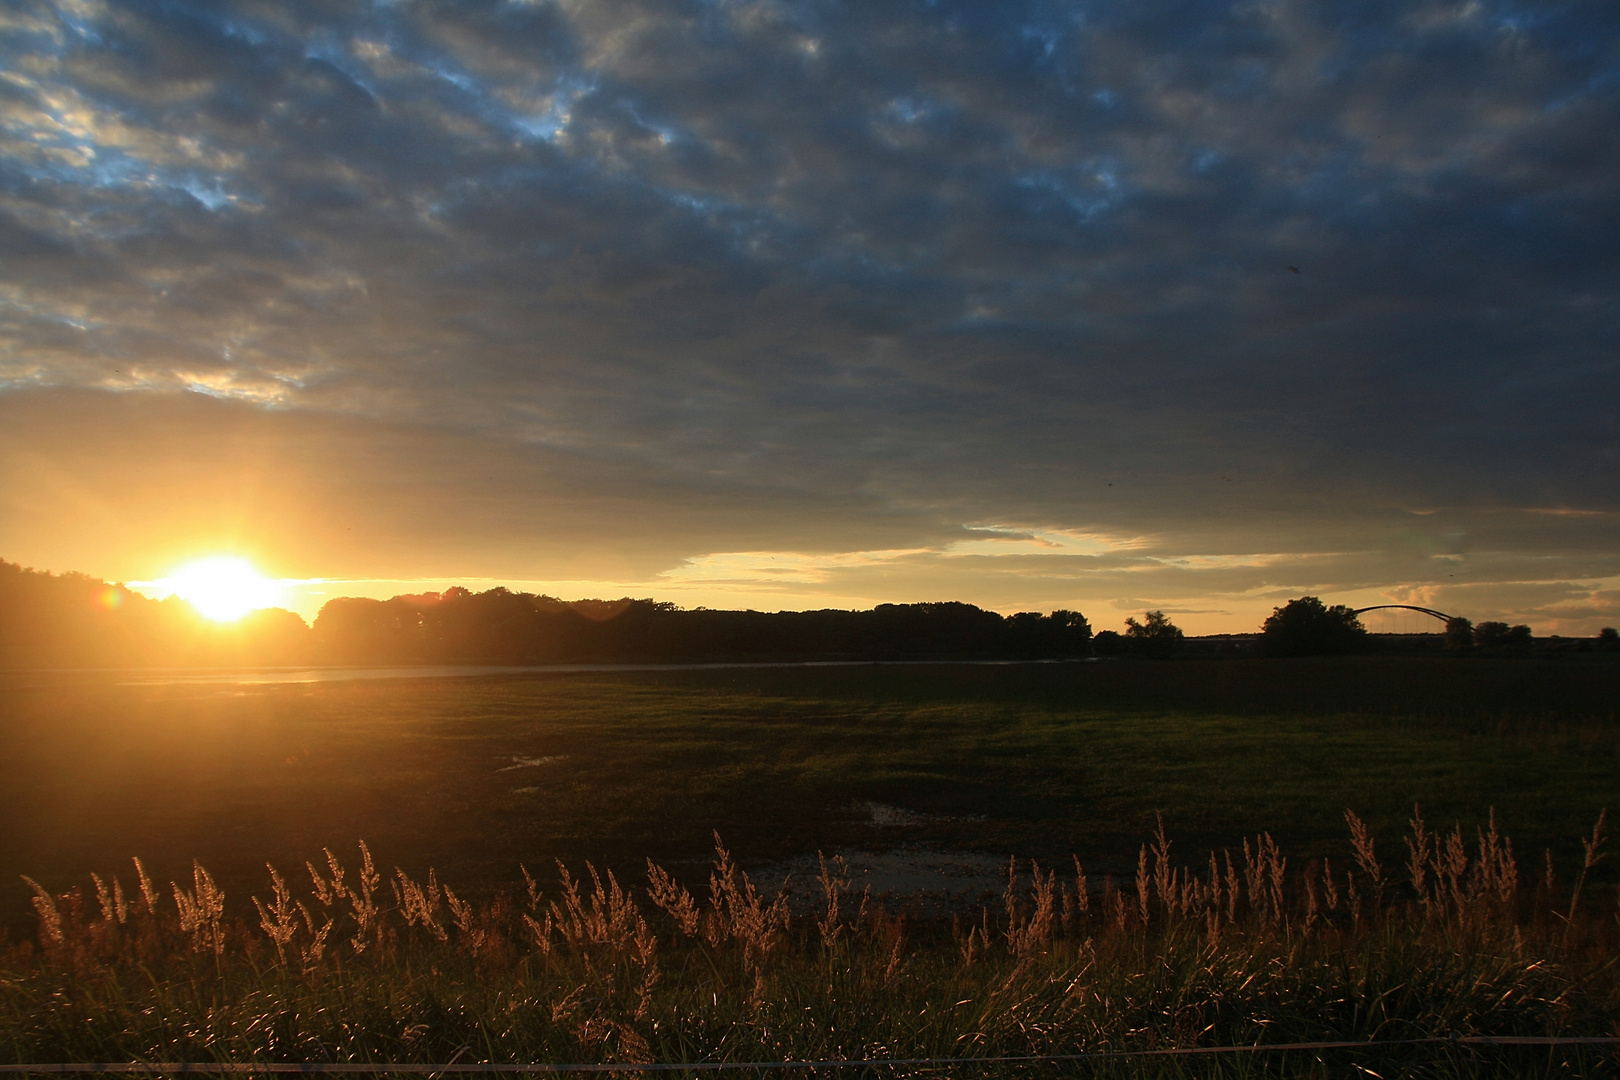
(351,962)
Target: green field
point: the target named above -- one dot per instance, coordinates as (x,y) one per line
(1036,760)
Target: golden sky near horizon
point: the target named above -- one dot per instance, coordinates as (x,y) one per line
(792,306)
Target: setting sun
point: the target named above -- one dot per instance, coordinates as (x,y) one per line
(223,588)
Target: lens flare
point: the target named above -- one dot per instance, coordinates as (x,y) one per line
(223,588)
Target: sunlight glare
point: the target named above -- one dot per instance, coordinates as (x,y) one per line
(223,588)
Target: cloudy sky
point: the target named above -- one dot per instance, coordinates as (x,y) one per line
(1108,305)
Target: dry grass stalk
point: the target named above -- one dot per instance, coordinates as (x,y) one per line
(736,911)
(277,921)
(1330,888)
(1142,884)
(537,922)
(1276,866)
(312,953)
(367,920)
(1450,863)
(460,911)
(202,912)
(1310,898)
(1361,842)
(833,887)
(1594,855)
(148,893)
(1263,872)
(418,903)
(1418,848)
(1499,873)
(1030,932)
(672,897)
(50,919)
(1115,905)
(1163,875)
(114,909)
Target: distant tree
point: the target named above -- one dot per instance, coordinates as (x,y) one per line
(1073,630)
(1062,633)
(1518,636)
(1608,638)
(1107,643)
(1307,627)
(1490,634)
(1459,634)
(1155,636)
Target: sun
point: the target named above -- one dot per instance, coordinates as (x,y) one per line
(223,588)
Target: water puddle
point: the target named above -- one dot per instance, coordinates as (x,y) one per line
(520,762)
(934,882)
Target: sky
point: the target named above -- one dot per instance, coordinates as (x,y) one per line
(1108,306)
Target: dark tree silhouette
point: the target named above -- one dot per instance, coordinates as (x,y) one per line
(1499,635)
(1459,634)
(1307,627)
(1155,636)
(73,620)
(507,627)
(1107,643)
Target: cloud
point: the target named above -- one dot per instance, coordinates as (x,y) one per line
(833,279)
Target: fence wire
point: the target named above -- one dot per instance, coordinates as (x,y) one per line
(312,1068)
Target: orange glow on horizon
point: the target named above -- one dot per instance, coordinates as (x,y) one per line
(222,588)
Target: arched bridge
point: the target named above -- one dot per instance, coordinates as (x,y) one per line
(1442,616)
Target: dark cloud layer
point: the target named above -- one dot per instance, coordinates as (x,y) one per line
(1326,286)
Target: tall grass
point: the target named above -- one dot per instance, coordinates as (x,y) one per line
(1244,946)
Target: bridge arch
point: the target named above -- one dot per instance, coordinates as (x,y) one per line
(1442,616)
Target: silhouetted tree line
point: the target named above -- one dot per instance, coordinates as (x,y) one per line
(500,626)
(74,620)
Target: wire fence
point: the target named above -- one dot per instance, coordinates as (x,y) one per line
(316,1068)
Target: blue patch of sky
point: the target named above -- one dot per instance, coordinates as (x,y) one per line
(910,109)
(213,196)
(1047,36)
(329,50)
(552,124)
(243,31)
(706,205)
(1597,83)
(100,166)
(666,133)
(751,229)
(1087,205)
(82,28)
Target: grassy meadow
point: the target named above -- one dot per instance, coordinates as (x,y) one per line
(1042,760)
(1294,931)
